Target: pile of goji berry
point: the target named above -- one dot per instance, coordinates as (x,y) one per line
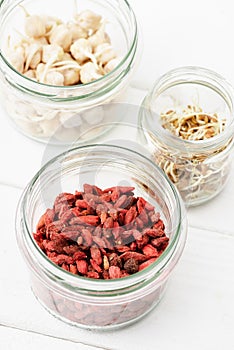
(101,233)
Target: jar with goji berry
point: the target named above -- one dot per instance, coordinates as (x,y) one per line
(79,294)
(61,64)
(187,123)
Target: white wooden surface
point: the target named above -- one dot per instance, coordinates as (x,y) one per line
(198,309)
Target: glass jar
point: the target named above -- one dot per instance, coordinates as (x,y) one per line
(88,302)
(62,114)
(199,168)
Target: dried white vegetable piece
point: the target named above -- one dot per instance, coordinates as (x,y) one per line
(33,56)
(61,36)
(27,41)
(50,77)
(89,21)
(104,53)
(34,26)
(52,53)
(41,41)
(70,70)
(71,76)
(112,64)
(81,50)
(50,23)
(100,37)
(31,74)
(54,78)
(77,31)
(40,71)
(67,57)
(89,73)
(16,58)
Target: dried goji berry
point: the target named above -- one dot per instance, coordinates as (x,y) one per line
(121,201)
(114,272)
(141,204)
(99,241)
(109,223)
(79,255)
(146,263)
(82,266)
(92,274)
(122,248)
(87,237)
(89,220)
(159,242)
(73,269)
(150,251)
(142,241)
(95,265)
(61,259)
(81,204)
(130,215)
(101,234)
(134,255)
(71,249)
(131,266)
(115,195)
(96,255)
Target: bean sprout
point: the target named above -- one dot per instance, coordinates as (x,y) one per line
(195,177)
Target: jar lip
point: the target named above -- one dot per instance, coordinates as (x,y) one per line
(22,79)
(198,76)
(93,284)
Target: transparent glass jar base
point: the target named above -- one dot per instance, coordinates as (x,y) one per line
(188,176)
(102,328)
(70,135)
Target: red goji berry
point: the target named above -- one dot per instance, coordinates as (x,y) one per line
(96,255)
(73,269)
(134,255)
(82,266)
(90,220)
(109,223)
(99,241)
(101,234)
(95,265)
(79,255)
(146,263)
(81,204)
(115,195)
(114,272)
(61,259)
(130,215)
(92,274)
(141,204)
(87,236)
(159,242)
(150,251)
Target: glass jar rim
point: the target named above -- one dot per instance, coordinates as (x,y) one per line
(30,84)
(94,285)
(196,75)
